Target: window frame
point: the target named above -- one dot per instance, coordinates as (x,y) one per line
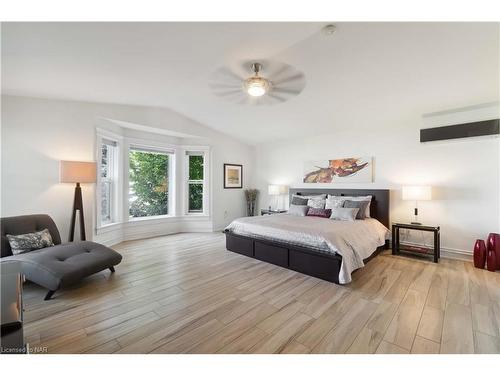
(205,152)
(151,146)
(115,179)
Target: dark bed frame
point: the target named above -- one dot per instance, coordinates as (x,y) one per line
(305,260)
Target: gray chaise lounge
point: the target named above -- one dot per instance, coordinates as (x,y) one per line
(60,265)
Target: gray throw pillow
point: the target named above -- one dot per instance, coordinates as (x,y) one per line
(299,201)
(344,214)
(316,203)
(358,204)
(298,210)
(314,196)
(22,243)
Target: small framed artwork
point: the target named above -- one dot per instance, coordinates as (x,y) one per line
(233,176)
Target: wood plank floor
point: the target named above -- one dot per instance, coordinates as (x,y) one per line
(186,294)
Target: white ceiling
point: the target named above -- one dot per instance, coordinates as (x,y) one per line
(366,75)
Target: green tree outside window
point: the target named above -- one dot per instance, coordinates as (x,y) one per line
(149,184)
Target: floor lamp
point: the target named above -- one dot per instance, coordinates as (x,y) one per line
(77,172)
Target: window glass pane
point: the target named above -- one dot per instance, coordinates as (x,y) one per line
(195,197)
(196,167)
(106,177)
(149,185)
(105,201)
(105,160)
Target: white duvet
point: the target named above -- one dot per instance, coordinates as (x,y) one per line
(353,240)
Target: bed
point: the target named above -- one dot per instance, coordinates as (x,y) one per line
(324,248)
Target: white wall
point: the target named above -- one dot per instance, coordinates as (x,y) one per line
(37,133)
(464,175)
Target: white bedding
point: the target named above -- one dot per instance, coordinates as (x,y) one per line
(353,240)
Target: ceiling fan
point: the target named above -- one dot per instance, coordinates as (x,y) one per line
(257,82)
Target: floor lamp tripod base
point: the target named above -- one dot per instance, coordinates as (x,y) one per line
(77,206)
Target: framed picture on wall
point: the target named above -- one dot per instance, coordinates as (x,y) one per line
(233,176)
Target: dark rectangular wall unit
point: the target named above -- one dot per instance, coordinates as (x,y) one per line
(471,129)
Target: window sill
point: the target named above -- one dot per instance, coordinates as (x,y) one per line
(195,214)
(146,218)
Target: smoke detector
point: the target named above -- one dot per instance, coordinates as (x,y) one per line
(329,30)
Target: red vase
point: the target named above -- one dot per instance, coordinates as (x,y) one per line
(491,262)
(493,244)
(479,254)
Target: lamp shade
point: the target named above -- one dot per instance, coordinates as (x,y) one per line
(277,189)
(77,171)
(417,193)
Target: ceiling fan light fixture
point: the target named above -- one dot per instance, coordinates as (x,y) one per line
(257,86)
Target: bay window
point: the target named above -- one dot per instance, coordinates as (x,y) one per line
(143,179)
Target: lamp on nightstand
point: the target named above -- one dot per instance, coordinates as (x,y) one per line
(417,193)
(276,191)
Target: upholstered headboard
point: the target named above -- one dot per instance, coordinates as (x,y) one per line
(379,208)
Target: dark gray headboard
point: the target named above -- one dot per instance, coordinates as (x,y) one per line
(379,208)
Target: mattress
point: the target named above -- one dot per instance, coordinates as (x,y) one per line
(353,240)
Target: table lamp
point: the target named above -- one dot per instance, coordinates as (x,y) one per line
(79,172)
(416,193)
(276,191)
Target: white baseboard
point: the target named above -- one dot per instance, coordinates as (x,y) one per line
(136,230)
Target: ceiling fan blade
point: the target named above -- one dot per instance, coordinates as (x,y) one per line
(277,97)
(228,93)
(216,86)
(282,71)
(296,77)
(282,90)
(229,73)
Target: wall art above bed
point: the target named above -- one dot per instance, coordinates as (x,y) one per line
(358,169)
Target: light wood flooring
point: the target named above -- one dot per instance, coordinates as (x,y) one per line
(186,294)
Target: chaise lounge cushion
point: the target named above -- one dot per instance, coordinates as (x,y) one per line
(58,266)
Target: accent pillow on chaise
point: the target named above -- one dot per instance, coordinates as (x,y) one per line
(22,243)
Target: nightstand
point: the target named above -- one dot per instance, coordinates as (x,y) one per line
(397,248)
(271,212)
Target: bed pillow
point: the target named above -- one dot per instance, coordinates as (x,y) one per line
(361,215)
(319,212)
(344,213)
(22,243)
(299,201)
(298,210)
(316,203)
(335,200)
(313,196)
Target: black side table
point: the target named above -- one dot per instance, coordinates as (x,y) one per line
(396,246)
(271,212)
